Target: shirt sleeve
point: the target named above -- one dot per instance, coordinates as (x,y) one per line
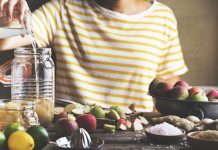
(172,61)
(45,20)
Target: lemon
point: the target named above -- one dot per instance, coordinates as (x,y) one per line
(40,136)
(2,141)
(20,140)
(12,128)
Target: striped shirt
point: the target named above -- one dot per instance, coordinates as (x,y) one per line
(106,57)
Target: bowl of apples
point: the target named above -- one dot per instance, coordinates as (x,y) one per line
(183,100)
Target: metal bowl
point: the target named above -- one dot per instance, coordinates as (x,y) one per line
(184,108)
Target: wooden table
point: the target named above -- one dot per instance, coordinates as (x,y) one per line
(125,140)
(129,139)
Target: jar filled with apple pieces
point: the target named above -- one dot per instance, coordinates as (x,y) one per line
(14,112)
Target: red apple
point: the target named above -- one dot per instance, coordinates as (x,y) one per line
(123,121)
(179,93)
(88,122)
(65,127)
(153,85)
(121,124)
(64,115)
(61,115)
(212,95)
(163,88)
(195,90)
(182,83)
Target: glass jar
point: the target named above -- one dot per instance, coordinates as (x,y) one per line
(14,112)
(32,81)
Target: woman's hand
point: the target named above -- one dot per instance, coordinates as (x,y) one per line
(8,6)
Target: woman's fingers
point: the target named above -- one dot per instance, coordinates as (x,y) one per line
(10,10)
(8,6)
(22,8)
(2,4)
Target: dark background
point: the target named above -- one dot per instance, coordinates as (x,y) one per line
(34,4)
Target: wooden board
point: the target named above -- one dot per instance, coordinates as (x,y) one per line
(123,140)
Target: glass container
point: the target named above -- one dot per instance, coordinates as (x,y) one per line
(32,82)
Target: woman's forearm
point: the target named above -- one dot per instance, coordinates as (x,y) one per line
(14,42)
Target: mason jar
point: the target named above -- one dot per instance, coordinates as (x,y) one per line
(11,112)
(33,81)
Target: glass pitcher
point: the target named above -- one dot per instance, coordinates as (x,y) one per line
(14,28)
(32,81)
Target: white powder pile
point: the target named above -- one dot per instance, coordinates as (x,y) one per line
(165,129)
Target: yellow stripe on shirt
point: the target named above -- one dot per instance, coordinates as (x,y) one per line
(109,58)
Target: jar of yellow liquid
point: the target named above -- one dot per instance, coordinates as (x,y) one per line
(14,112)
(45,111)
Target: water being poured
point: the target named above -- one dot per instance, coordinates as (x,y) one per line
(27,25)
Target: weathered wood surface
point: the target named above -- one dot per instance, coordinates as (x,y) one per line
(125,140)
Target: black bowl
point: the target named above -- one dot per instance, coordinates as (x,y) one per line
(164,139)
(184,108)
(201,144)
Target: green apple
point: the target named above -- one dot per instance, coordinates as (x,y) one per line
(199,97)
(119,111)
(109,128)
(98,112)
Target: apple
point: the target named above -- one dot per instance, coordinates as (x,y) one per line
(88,122)
(128,124)
(117,109)
(64,115)
(114,115)
(137,125)
(163,88)
(179,93)
(153,85)
(212,95)
(199,97)
(121,124)
(182,83)
(98,112)
(195,90)
(65,127)
(109,128)
(71,116)
(61,115)
(143,120)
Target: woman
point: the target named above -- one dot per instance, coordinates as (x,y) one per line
(107,51)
